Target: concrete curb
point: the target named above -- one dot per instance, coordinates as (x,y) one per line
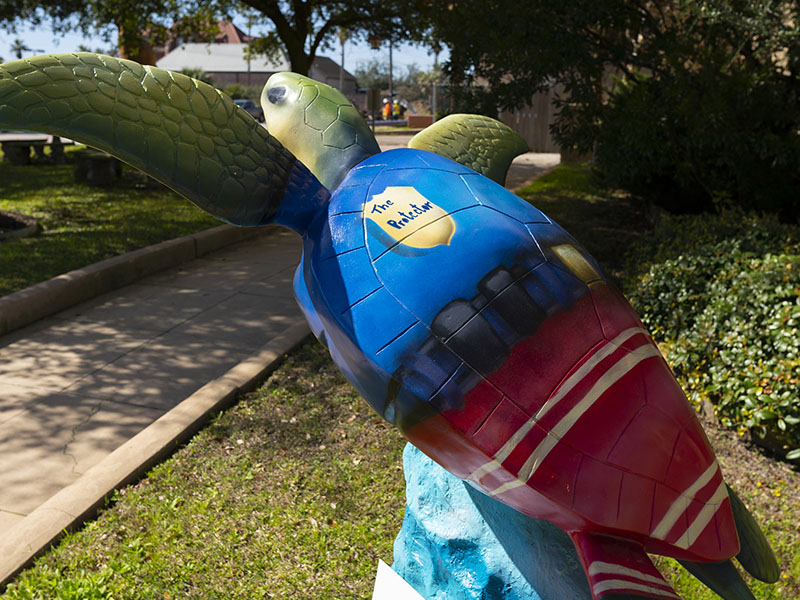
(49,297)
(81,500)
(517,188)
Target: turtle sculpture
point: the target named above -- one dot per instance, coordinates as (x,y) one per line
(461,313)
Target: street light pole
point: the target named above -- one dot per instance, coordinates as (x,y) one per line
(434,108)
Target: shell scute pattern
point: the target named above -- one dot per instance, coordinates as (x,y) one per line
(319,113)
(130,83)
(184,82)
(590,460)
(179,99)
(339,134)
(103,76)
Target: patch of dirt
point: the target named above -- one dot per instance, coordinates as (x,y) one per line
(765,484)
(11,221)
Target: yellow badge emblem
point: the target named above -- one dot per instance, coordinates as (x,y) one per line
(409,217)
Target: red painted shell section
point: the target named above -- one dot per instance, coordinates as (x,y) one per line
(614,444)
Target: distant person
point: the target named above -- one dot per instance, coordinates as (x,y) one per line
(395,110)
(387,109)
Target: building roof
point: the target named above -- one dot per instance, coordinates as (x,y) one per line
(219,58)
(229,58)
(231,34)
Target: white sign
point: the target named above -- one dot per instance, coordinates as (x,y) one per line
(390,586)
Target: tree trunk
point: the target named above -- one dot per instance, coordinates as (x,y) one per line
(135,47)
(298,59)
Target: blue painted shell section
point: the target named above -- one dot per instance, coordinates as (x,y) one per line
(373,301)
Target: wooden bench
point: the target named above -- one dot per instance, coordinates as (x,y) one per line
(95,167)
(17,146)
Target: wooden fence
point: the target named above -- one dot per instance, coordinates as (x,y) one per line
(533,122)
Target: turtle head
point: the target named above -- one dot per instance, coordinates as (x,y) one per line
(318,124)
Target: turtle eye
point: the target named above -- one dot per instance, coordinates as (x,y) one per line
(276,94)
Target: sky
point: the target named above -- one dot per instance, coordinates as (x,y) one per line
(43,41)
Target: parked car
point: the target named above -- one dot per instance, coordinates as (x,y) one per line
(254,109)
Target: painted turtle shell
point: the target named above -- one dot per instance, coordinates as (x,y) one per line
(494,342)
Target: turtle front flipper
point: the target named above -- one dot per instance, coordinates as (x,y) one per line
(481,143)
(182,132)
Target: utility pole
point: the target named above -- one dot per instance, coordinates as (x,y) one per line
(433,102)
(342,39)
(391,90)
(249,58)
(437,48)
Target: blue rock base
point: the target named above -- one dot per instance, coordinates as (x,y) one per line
(457,543)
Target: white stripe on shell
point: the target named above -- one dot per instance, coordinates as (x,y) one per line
(623,366)
(703,518)
(565,388)
(599,355)
(621,585)
(599,567)
(682,503)
(484,469)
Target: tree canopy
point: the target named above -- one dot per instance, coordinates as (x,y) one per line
(129,20)
(698,100)
(303,27)
(300,28)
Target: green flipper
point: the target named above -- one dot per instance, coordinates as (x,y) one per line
(755,554)
(722,578)
(182,132)
(480,143)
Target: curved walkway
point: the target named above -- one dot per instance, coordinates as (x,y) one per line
(95,395)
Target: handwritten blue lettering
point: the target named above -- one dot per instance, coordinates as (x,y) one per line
(405,217)
(380,208)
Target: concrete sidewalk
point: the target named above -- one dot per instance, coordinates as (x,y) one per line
(93,396)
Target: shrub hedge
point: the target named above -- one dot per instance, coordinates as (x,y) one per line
(688,140)
(721,295)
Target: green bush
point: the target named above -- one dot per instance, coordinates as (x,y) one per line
(237,91)
(198,74)
(721,294)
(688,139)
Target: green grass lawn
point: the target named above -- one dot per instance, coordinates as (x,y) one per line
(84,224)
(297,491)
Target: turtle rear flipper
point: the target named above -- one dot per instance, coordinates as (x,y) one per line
(619,569)
(480,143)
(182,132)
(722,578)
(755,555)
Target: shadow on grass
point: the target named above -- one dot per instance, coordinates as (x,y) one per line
(608,224)
(84,224)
